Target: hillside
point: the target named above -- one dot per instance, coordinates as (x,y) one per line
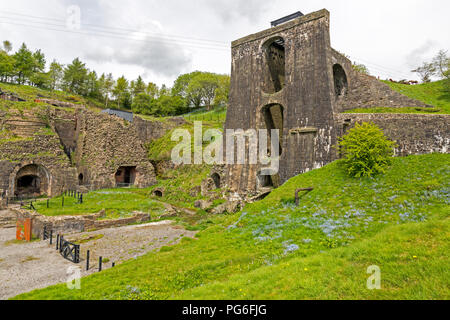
(398,221)
(433,93)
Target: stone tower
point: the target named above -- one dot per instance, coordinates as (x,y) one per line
(282,78)
(289,78)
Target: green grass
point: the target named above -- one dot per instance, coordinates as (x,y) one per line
(161,149)
(321,249)
(433,94)
(31,93)
(118,203)
(398,110)
(215,115)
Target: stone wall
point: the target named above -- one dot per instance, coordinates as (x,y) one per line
(75,224)
(364,91)
(414,133)
(148,131)
(105,143)
(44,151)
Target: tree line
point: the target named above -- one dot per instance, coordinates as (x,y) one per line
(193,90)
(439,67)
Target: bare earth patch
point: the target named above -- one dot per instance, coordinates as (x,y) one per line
(28,266)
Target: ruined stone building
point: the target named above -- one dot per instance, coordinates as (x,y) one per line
(51,150)
(289,78)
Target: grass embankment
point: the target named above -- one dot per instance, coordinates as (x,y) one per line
(321,249)
(433,93)
(118,203)
(30,94)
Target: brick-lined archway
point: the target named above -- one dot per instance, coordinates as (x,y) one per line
(30,180)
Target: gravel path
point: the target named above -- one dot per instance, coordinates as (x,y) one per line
(28,266)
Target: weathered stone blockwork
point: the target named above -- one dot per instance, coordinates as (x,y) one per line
(414,133)
(106,143)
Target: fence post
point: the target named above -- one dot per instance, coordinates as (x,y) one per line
(100,264)
(51,237)
(63,201)
(57,241)
(87,260)
(113,264)
(48,201)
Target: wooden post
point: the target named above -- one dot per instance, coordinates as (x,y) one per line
(51,237)
(100,264)
(57,241)
(87,260)
(48,200)
(297,198)
(63,201)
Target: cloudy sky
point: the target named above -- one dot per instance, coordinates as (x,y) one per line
(160,39)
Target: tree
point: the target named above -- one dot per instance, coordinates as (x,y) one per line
(7,46)
(92,85)
(223,91)
(180,88)
(204,86)
(426,71)
(441,63)
(142,104)
(152,90)
(139,86)
(56,74)
(24,64)
(361,68)
(106,84)
(120,91)
(366,150)
(75,76)
(6,66)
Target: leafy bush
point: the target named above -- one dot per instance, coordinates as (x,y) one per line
(366,150)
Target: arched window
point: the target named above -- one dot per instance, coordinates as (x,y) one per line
(274,65)
(274,119)
(340,81)
(31,180)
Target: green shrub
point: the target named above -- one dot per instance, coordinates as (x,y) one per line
(366,150)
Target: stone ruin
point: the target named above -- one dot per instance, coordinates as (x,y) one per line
(50,151)
(289,78)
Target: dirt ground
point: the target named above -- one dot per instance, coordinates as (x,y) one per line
(28,266)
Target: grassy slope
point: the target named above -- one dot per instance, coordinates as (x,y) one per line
(430,93)
(30,93)
(340,228)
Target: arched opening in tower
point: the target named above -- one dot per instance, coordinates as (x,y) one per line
(274,65)
(340,81)
(274,119)
(125,176)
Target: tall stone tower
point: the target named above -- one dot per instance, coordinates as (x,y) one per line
(282,78)
(289,78)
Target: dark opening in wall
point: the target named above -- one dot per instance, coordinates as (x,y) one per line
(216,178)
(31,181)
(125,176)
(264,181)
(80,179)
(28,185)
(340,81)
(158,193)
(274,119)
(274,65)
